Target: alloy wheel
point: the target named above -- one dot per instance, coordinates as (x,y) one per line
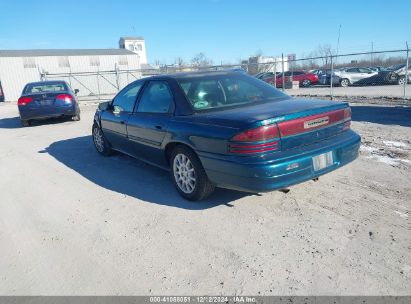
(306,83)
(345,83)
(401,81)
(184,173)
(98,139)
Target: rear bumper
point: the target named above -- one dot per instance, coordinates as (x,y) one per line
(282,169)
(48,112)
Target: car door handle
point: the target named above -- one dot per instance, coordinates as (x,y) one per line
(158,127)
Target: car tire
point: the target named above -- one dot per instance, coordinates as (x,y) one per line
(25,123)
(76,117)
(100,142)
(345,82)
(401,81)
(188,175)
(306,83)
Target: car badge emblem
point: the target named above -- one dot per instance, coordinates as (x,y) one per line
(316,122)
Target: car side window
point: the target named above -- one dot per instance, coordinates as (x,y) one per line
(124,101)
(156,98)
(362,70)
(353,70)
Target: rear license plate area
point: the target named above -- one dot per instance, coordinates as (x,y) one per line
(46,102)
(323,161)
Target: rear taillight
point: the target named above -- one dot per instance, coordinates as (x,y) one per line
(67,98)
(24,101)
(258,134)
(347,118)
(253,149)
(347,114)
(258,140)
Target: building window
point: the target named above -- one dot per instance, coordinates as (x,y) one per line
(139,47)
(64,62)
(29,62)
(131,47)
(94,61)
(122,60)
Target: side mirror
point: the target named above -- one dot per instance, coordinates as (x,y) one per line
(76,91)
(104,106)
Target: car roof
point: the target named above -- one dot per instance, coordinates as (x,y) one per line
(47,82)
(194,74)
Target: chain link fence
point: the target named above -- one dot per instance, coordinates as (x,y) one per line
(367,75)
(370,75)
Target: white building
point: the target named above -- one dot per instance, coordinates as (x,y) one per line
(92,71)
(136,45)
(267,64)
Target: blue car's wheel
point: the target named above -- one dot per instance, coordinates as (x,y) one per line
(100,142)
(188,175)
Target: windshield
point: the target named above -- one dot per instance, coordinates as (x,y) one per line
(45,87)
(395,67)
(218,91)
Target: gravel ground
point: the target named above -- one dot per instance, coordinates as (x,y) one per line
(75,223)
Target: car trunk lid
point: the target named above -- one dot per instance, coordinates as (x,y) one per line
(299,122)
(311,128)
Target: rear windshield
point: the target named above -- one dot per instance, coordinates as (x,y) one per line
(219,91)
(45,87)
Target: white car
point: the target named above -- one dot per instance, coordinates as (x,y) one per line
(399,69)
(350,76)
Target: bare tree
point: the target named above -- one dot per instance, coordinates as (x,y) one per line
(180,61)
(157,62)
(325,51)
(201,60)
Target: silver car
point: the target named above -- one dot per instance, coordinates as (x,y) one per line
(350,76)
(399,69)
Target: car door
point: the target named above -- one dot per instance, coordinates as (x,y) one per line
(352,74)
(298,76)
(280,77)
(365,73)
(147,125)
(113,120)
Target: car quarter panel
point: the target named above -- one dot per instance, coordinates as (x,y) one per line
(200,136)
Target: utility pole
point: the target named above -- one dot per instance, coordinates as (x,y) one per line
(331,77)
(406,68)
(338,43)
(282,69)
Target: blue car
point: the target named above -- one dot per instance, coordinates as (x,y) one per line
(225,129)
(47,99)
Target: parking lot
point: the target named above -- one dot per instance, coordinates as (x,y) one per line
(74,222)
(379,91)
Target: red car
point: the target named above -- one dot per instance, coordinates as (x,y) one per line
(304,78)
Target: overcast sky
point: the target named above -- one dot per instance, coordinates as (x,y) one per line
(225,30)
